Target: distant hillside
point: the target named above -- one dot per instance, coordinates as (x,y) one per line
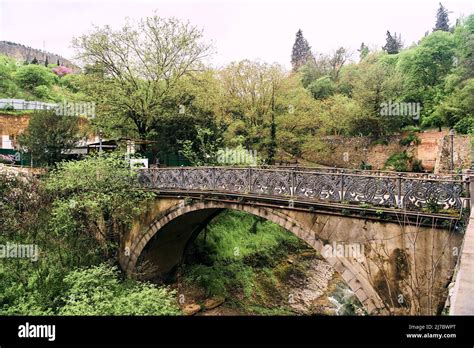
(25,53)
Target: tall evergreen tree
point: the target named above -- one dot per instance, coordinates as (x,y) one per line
(393,43)
(301,51)
(46,61)
(58,63)
(273,144)
(442,20)
(363,51)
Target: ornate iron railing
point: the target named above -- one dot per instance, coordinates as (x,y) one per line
(391,191)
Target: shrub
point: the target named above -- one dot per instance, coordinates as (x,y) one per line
(42,92)
(212,279)
(465,125)
(411,128)
(96,189)
(398,162)
(61,70)
(411,138)
(98,290)
(322,88)
(31,76)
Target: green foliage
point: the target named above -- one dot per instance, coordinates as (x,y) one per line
(309,73)
(411,128)
(398,162)
(235,251)
(349,115)
(204,150)
(73,215)
(250,98)
(236,156)
(432,205)
(409,139)
(458,108)
(98,290)
(363,51)
(417,166)
(213,279)
(233,236)
(71,82)
(42,92)
(8,87)
(425,69)
(465,125)
(93,196)
(49,136)
(37,82)
(403,162)
(141,88)
(322,88)
(31,76)
(28,286)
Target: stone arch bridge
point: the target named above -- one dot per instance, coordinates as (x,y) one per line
(407,224)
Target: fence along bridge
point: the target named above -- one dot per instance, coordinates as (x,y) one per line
(417,194)
(399,218)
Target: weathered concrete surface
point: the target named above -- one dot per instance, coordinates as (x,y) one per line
(405,268)
(462,298)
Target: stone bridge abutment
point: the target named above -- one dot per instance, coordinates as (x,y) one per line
(405,268)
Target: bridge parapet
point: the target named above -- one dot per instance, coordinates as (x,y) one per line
(425,194)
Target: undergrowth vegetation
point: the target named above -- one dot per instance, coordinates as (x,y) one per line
(243,258)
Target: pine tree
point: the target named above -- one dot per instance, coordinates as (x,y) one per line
(442,20)
(59,64)
(393,43)
(301,51)
(46,61)
(363,51)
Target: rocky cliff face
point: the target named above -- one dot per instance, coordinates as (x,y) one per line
(25,53)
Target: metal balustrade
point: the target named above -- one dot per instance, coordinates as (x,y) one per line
(390,190)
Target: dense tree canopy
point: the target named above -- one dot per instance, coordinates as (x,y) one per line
(137,68)
(156,86)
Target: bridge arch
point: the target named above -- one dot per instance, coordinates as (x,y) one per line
(175,224)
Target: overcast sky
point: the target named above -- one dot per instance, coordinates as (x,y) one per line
(239,29)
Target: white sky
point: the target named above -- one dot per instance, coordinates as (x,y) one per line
(239,29)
